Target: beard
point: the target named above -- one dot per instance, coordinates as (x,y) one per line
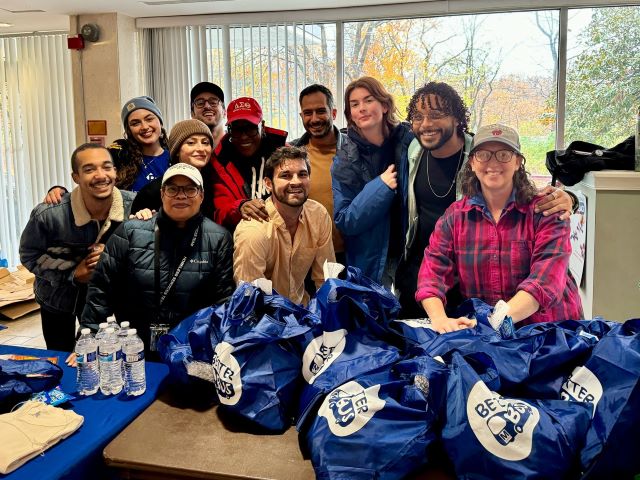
(283,197)
(324,126)
(446,134)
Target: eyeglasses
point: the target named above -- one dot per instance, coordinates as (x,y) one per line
(201,102)
(503,156)
(248,130)
(418,118)
(189,191)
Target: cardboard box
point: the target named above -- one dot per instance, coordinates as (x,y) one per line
(16,293)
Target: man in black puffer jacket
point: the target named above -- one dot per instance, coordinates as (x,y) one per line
(194,266)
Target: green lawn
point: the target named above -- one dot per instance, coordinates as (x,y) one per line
(535,149)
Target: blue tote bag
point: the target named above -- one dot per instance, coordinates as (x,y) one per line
(353,338)
(609,382)
(379,425)
(257,343)
(187,345)
(488,436)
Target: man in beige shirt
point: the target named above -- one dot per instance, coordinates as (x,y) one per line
(297,237)
(321,139)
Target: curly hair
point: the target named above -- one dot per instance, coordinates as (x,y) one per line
(522,184)
(446,99)
(129,166)
(375,88)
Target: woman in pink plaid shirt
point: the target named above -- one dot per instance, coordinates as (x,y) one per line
(494,243)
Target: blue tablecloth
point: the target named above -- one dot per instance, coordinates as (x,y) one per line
(80,455)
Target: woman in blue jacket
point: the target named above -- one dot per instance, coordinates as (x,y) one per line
(366,172)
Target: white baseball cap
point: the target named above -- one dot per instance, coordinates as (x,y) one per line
(184,169)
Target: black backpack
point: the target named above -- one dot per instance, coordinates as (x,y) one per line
(570,165)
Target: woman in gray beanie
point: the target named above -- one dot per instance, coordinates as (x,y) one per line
(143,154)
(190,141)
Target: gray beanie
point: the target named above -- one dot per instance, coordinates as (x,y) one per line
(146,103)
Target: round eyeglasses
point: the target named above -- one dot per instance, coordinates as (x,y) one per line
(201,102)
(503,156)
(189,191)
(418,118)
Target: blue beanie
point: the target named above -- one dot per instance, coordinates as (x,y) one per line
(137,103)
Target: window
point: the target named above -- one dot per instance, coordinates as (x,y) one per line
(603,74)
(272,63)
(503,65)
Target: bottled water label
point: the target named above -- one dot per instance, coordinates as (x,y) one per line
(111,357)
(86,357)
(134,357)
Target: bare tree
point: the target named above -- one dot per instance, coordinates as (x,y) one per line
(480,69)
(547,23)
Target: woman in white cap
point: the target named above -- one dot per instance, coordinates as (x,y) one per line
(190,142)
(496,245)
(155,273)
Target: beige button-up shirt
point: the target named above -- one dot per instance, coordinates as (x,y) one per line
(265,249)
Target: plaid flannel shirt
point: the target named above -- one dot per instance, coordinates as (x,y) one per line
(524,250)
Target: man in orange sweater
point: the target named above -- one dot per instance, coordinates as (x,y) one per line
(322,138)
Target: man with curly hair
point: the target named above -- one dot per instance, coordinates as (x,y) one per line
(440,121)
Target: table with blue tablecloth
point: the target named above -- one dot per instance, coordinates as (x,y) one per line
(80,455)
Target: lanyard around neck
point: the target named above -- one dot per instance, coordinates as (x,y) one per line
(160,298)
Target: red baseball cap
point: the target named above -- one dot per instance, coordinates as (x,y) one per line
(244,108)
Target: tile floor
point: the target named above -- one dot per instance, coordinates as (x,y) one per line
(25,331)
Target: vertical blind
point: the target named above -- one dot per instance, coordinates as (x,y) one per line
(175,61)
(36,129)
(271,63)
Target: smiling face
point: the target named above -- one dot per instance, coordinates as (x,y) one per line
(195,150)
(317,117)
(95,174)
(435,129)
(246,137)
(494,176)
(290,183)
(203,109)
(145,128)
(180,208)
(366,111)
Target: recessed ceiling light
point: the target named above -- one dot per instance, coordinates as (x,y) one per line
(5,25)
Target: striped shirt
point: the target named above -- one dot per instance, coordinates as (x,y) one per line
(492,261)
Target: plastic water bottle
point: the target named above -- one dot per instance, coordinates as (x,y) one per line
(133,350)
(88,372)
(111,322)
(110,357)
(101,330)
(122,333)
(122,336)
